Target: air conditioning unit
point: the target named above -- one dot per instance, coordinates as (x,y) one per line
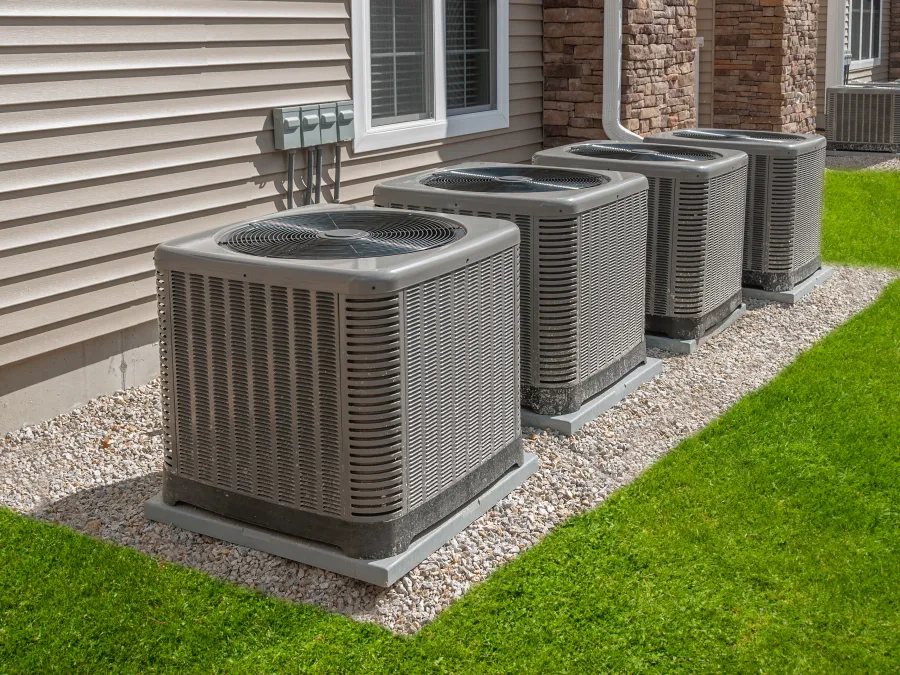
(338,373)
(863,117)
(785,176)
(582,267)
(695,232)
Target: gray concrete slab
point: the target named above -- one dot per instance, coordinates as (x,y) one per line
(383,572)
(597,405)
(797,293)
(690,346)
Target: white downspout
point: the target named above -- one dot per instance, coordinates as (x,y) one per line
(612,74)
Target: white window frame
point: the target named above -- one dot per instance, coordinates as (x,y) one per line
(865,64)
(381,137)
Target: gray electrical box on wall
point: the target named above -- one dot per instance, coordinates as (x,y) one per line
(345,120)
(311,125)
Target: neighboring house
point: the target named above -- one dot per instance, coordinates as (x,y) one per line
(123,124)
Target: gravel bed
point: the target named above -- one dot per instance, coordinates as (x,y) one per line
(93,468)
(870,161)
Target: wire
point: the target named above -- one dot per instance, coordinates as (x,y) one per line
(290,180)
(336,197)
(309,177)
(318,173)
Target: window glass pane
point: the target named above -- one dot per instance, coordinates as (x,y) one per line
(854,28)
(471,55)
(876,28)
(401,64)
(866,30)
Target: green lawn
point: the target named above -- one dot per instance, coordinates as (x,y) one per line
(769,542)
(862,218)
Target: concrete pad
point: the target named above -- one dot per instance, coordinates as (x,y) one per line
(596,405)
(797,293)
(690,346)
(383,572)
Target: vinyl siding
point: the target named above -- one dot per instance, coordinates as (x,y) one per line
(706,20)
(123,124)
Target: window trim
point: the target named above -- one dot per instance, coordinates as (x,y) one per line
(369,137)
(865,64)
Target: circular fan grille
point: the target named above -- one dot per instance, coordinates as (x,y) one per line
(512,179)
(643,152)
(738,135)
(341,234)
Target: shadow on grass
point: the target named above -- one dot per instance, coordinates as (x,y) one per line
(115,513)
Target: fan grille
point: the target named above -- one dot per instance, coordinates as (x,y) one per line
(642,152)
(513,179)
(738,135)
(341,234)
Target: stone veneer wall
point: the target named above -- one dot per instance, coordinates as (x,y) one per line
(765,65)
(658,45)
(894,58)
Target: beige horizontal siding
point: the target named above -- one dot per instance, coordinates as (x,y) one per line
(123,124)
(706,20)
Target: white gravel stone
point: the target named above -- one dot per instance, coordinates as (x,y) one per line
(870,161)
(92,469)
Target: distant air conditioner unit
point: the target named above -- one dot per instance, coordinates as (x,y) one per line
(343,374)
(863,117)
(696,227)
(782,239)
(582,266)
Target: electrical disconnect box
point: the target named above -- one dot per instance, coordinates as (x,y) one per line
(311,125)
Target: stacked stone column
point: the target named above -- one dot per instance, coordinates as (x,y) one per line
(658,45)
(765,65)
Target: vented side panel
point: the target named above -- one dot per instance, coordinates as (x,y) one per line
(808,228)
(612,278)
(372,369)
(782,215)
(691,238)
(725,238)
(528,303)
(709,242)
(166,385)
(461,333)
(557,255)
(897,119)
(253,381)
(660,231)
(863,117)
(755,233)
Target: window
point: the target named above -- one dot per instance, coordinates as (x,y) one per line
(428,69)
(400,37)
(470,55)
(865,32)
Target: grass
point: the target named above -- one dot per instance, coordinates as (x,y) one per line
(862,218)
(768,542)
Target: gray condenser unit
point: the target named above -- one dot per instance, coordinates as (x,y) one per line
(582,266)
(863,117)
(785,177)
(695,227)
(344,374)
